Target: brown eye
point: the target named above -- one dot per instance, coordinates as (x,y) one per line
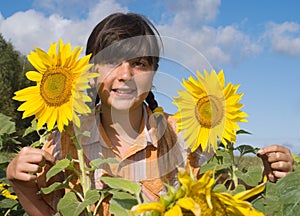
(140,63)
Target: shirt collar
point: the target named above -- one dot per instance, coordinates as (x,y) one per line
(146,137)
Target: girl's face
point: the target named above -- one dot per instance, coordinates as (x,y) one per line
(125,85)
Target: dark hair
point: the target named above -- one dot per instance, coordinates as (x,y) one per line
(125,36)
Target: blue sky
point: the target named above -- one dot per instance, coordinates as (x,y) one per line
(256,43)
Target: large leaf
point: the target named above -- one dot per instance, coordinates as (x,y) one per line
(70,206)
(122,184)
(57,186)
(252,177)
(121,202)
(282,198)
(115,208)
(57,168)
(6,125)
(220,161)
(7,203)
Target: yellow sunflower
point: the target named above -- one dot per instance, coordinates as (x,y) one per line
(216,203)
(5,192)
(61,80)
(208,110)
(198,198)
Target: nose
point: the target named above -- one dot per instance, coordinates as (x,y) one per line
(124,71)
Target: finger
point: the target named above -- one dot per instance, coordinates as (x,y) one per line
(30,168)
(267,169)
(278,156)
(271,177)
(26,176)
(281,166)
(49,158)
(279,174)
(38,155)
(273,148)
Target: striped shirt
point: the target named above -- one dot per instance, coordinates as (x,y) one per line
(139,163)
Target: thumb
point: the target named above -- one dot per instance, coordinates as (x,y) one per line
(49,158)
(268,171)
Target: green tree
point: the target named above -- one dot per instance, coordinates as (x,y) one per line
(13,66)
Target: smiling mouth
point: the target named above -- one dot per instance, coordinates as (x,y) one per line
(124,92)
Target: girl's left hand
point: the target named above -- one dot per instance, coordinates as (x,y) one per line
(277,160)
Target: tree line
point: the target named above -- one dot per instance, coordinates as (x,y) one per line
(13,66)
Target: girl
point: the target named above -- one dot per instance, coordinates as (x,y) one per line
(129,125)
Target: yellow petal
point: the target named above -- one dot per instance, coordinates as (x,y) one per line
(34,76)
(244,195)
(189,204)
(141,208)
(36,62)
(174,211)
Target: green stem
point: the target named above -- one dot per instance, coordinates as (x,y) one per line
(84,178)
(102,197)
(233,165)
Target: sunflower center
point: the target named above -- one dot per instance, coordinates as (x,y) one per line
(209,111)
(56,87)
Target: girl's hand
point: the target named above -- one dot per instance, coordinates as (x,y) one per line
(27,163)
(277,160)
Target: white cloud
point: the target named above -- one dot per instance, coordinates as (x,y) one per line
(32,28)
(219,45)
(193,12)
(190,24)
(284,37)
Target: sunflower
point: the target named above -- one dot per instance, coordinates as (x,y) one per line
(208,110)
(61,80)
(216,203)
(198,198)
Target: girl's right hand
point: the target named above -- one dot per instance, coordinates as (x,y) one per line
(27,164)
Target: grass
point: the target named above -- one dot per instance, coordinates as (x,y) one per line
(247,161)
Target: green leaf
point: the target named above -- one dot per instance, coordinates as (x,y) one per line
(7,203)
(214,166)
(70,206)
(53,187)
(57,168)
(220,161)
(243,132)
(237,190)
(282,198)
(30,129)
(116,208)
(223,157)
(122,195)
(57,185)
(245,149)
(121,201)
(122,184)
(252,177)
(95,164)
(4,159)
(6,125)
